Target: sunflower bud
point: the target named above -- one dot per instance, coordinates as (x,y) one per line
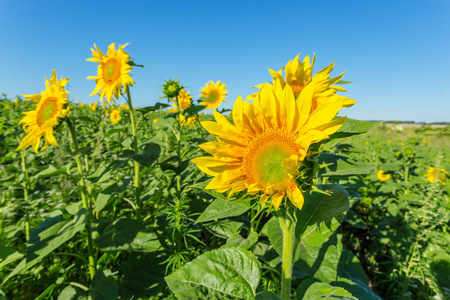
(171,89)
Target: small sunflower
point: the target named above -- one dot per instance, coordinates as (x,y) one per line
(184,100)
(265,147)
(383,176)
(113,72)
(298,75)
(215,93)
(93,106)
(189,121)
(125,106)
(437,175)
(52,105)
(115,116)
(171,89)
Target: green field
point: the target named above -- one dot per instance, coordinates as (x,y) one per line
(391,239)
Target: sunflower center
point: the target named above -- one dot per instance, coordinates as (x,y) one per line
(296,88)
(263,160)
(212,96)
(47,110)
(111,71)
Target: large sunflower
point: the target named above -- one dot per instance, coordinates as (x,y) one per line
(215,93)
(52,105)
(264,148)
(112,72)
(298,75)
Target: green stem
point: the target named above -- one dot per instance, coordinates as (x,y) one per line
(137,185)
(85,199)
(288,229)
(25,192)
(180,128)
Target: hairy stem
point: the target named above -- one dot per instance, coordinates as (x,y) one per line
(85,200)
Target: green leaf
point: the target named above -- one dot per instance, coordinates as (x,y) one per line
(143,275)
(323,291)
(51,233)
(238,241)
(318,261)
(353,127)
(341,165)
(127,235)
(350,267)
(147,157)
(100,175)
(110,190)
(193,110)
(267,295)
(8,255)
(321,214)
(357,288)
(103,287)
(155,107)
(224,228)
(220,209)
(50,171)
(228,272)
(133,64)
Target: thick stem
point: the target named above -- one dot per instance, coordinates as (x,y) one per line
(137,185)
(25,192)
(180,128)
(85,200)
(288,229)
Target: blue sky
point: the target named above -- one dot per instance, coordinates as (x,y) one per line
(395,52)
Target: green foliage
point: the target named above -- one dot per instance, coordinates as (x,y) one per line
(228,273)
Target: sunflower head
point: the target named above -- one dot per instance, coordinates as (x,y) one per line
(171,89)
(93,106)
(264,149)
(112,72)
(115,116)
(52,106)
(437,175)
(184,100)
(213,94)
(383,176)
(124,106)
(298,75)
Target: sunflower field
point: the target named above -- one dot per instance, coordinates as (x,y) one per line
(282,197)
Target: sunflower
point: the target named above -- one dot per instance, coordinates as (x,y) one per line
(52,105)
(124,106)
(184,99)
(93,106)
(115,116)
(382,176)
(112,72)
(298,75)
(215,93)
(265,147)
(189,121)
(437,175)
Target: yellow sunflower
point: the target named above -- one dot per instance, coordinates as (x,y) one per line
(112,72)
(215,93)
(184,99)
(190,121)
(298,75)
(115,116)
(382,176)
(437,175)
(125,106)
(93,106)
(264,148)
(52,105)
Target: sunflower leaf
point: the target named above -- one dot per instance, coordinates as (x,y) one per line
(226,272)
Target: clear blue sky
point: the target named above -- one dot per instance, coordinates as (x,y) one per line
(396,52)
